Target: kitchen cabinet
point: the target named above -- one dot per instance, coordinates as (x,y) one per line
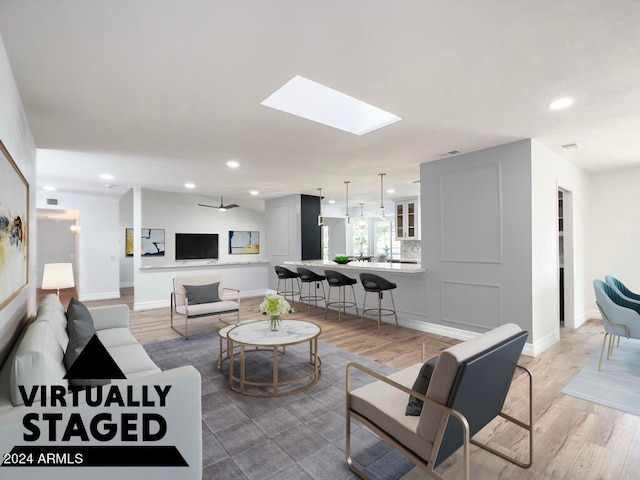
(407,218)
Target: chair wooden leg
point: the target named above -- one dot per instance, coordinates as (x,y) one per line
(364,307)
(355,304)
(324,294)
(604,341)
(395,313)
(612,341)
(326,303)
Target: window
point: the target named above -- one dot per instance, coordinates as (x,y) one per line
(325,242)
(361,237)
(386,243)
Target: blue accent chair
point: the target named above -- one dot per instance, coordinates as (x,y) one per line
(621,288)
(620,316)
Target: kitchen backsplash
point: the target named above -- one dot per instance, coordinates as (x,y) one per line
(410,249)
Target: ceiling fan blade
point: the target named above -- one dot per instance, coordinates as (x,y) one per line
(221,207)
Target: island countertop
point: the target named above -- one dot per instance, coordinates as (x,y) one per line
(360,265)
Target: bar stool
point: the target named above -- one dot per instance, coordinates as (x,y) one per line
(286,274)
(376,284)
(309,277)
(337,279)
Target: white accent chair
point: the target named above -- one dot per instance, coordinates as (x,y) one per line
(226,303)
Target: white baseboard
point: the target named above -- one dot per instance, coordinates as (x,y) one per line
(541,345)
(588,315)
(254,293)
(84,297)
(167,303)
(529,349)
(443,330)
(126,284)
(151,305)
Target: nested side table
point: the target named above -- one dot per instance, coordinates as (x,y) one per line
(255,337)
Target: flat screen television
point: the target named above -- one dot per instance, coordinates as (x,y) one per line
(196,246)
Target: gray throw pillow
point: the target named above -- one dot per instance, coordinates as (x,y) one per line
(197,294)
(80,329)
(414,407)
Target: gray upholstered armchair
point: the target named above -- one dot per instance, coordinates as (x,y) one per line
(466,391)
(620,316)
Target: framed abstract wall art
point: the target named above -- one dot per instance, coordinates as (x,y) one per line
(14,224)
(152,242)
(241,242)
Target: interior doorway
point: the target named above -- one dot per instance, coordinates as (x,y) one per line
(57,239)
(565,258)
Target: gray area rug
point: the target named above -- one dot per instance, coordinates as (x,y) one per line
(299,436)
(617,385)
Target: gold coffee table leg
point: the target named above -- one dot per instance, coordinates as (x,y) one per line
(275,370)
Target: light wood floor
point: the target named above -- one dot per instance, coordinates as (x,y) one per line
(573,438)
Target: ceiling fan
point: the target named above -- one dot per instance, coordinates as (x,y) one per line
(222,207)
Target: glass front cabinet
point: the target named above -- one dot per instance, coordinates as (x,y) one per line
(407,216)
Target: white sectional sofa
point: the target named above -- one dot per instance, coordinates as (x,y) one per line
(167,404)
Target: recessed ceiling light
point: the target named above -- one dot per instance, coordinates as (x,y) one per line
(571,146)
(233,164)
(561,103)
(189,185)
(254,192)
(391,190)
(332,201)
(106,176)
(311,100)
(49,188)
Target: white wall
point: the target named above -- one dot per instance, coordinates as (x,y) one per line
(614,231)
(337,237)
(126,221)
(98,242)
(16,136)
(282,225)
(549,172)
(56,243)
(180,213)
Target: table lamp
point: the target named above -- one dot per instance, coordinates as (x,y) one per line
(57,276)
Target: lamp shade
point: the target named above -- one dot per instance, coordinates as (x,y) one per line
(57,276)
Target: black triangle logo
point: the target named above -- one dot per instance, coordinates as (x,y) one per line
(94,362)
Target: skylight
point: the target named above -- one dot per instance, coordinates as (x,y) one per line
(311,100)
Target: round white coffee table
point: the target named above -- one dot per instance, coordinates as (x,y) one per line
(256,336)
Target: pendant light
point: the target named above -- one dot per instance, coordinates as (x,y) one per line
(347,219)
(320,217)
(381,175)
(362,220)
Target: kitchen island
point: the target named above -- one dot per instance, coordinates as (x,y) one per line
(358,265)
(409,296)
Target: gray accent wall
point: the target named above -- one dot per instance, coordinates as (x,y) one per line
(476,238)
